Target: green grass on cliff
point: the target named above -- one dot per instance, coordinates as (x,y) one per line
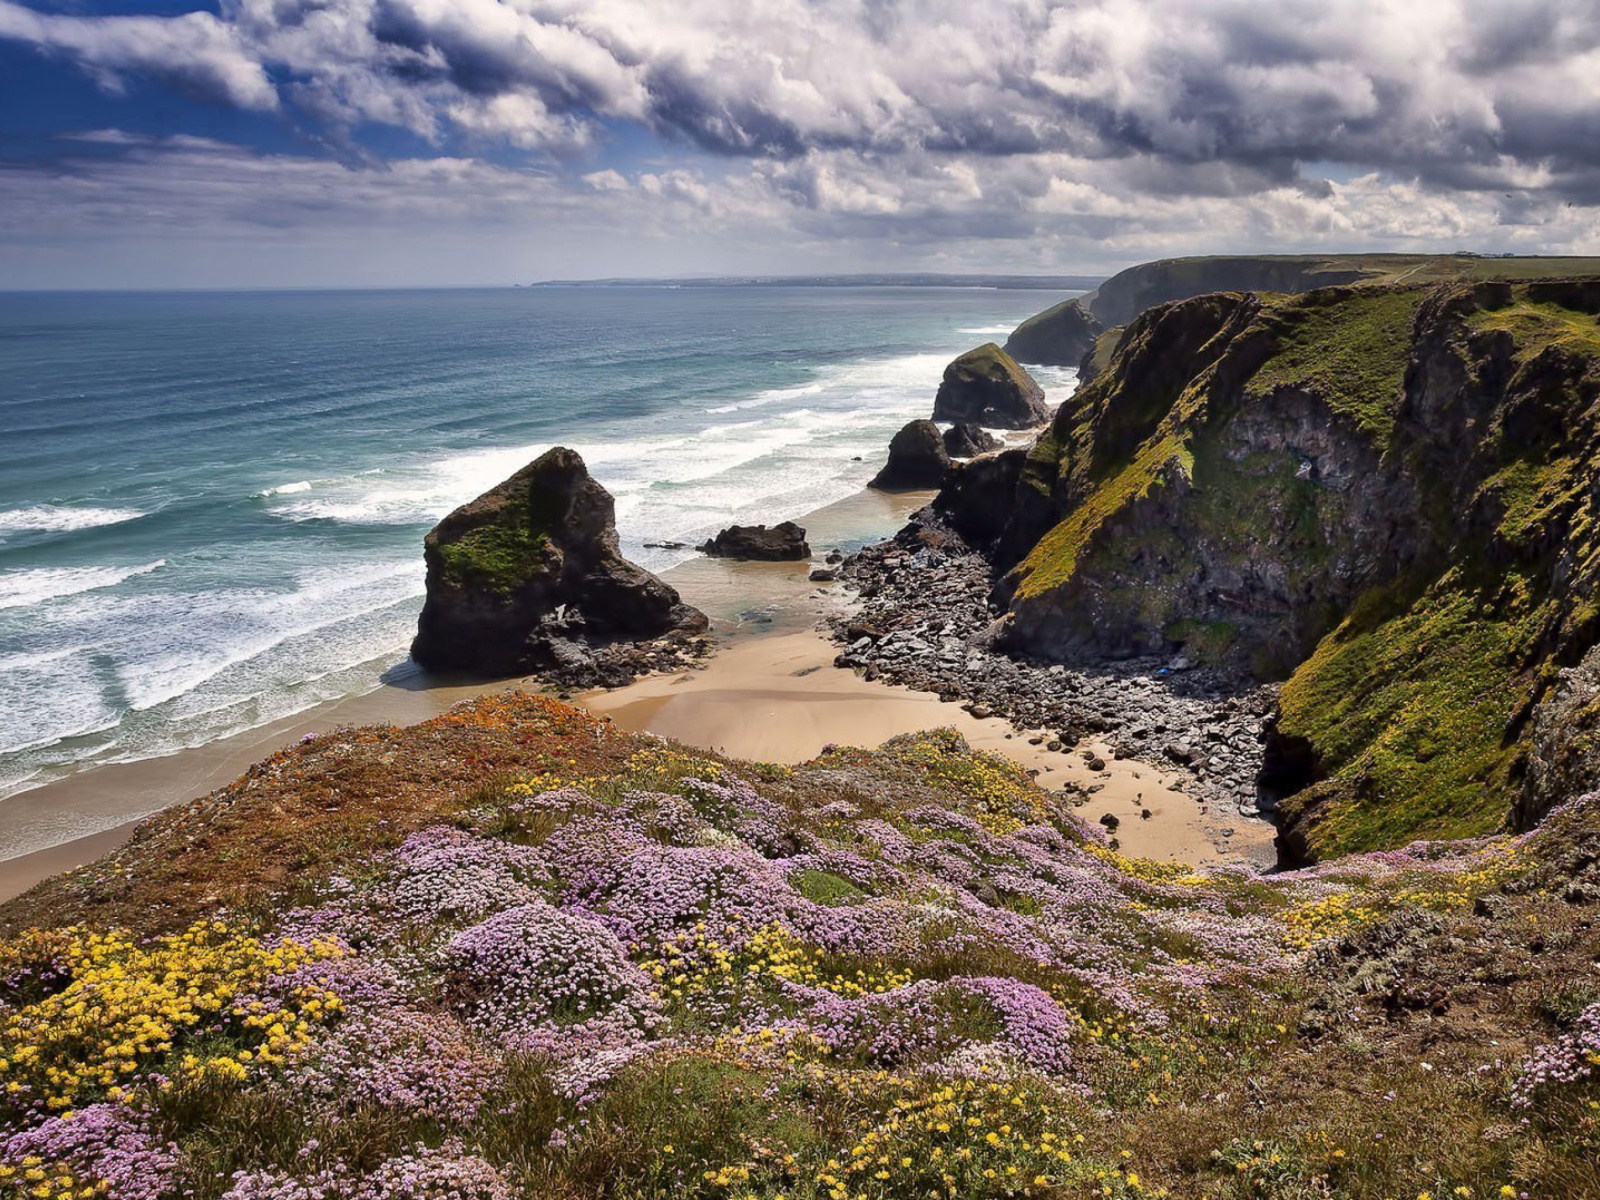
(1537,325)
(1412,710)
(1417,704)
(1349,349)
(494,557)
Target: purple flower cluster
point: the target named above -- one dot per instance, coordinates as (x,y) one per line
(671,818)
(421,1064)
(444,872)
(1036,1029)
(447,1173)
(656,891)
(102,1142)
(553,981)
(1569,1059)
(443,1174)
(735,807)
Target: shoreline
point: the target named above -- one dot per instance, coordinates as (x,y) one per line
(77,817)
(770,659)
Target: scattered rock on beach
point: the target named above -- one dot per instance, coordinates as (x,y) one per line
(785,542)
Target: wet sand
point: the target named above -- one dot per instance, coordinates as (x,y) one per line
(770,692)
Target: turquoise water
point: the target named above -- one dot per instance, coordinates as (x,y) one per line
(212,505)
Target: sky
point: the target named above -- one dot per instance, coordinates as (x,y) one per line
(354,143)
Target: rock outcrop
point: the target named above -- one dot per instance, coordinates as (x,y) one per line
(966,440)
(529,576)
(986,387)
(1059,336)
(917,459)
(1564,742)
(781,543)
(1382,495)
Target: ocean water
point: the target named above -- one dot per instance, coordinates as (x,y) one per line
(212,505)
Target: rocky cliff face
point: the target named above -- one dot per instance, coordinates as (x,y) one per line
(1059,336)
(1128,293)
(1072,333)
(987,387)
(1384,495)
(524,573)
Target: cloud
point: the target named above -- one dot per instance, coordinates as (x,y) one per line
(1465,93)
(188,211)
(196,50)
(793,134)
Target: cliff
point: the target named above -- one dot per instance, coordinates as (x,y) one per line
(1056,337)
(522,576)
(1383,495)
(1065,333)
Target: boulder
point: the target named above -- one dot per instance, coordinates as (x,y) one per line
(532,562)
(1059,336)
(966,440)
(781,543)
(917,459)
(986,387)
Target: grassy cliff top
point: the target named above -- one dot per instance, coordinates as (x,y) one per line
(511,952)
(990,362)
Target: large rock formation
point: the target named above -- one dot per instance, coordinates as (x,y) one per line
(917,459)
(986,387)
(781,543)
(1058,336)
(967,440)
(1383,494)
(522,575)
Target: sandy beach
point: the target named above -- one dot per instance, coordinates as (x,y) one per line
(770,692)
(780,699)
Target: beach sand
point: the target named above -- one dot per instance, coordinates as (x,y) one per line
(780,699)
(770,692)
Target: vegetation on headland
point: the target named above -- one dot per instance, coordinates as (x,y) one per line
(513,952)
(1383,493)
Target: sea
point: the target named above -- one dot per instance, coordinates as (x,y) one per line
(212,504)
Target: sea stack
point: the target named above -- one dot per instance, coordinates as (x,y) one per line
(917,459)
(531,560)
(986,387)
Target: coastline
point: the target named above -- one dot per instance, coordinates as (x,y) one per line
(75,819)
(768,691)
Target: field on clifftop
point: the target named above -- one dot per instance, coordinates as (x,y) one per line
(512,952)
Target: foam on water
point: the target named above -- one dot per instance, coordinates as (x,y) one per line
(57,518)
(29,586)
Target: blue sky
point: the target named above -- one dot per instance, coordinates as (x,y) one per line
(155,143)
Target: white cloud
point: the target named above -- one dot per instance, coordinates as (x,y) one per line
(194,49)
(832,133)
